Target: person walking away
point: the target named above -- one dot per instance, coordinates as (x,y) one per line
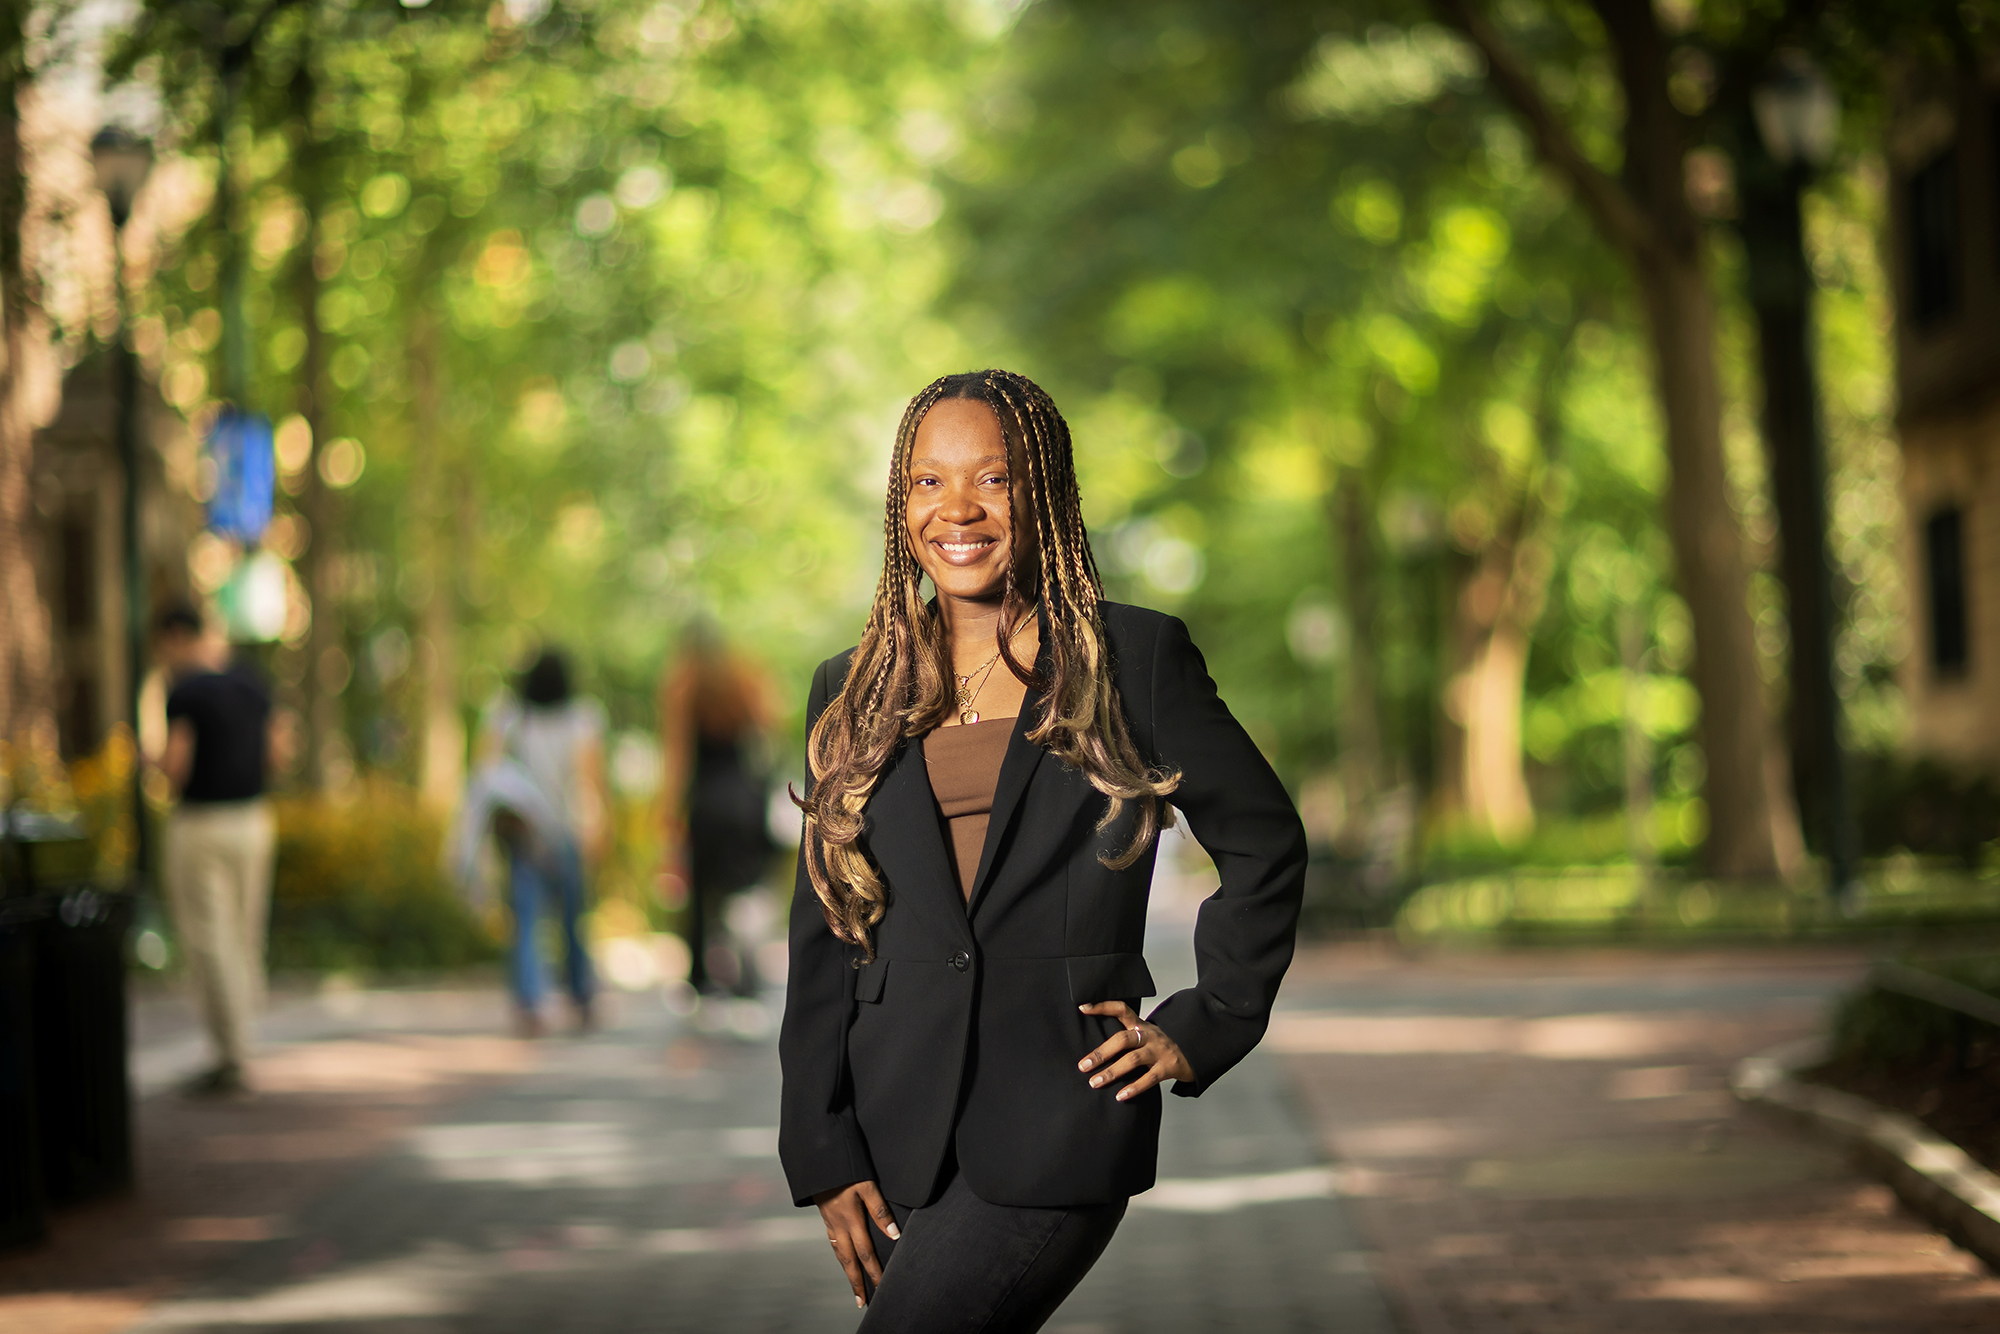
(715,714)
(221,836)
(556,738)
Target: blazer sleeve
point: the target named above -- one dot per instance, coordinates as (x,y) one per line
(819,1141)
(1241,814)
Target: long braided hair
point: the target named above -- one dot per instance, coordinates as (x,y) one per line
(899,684)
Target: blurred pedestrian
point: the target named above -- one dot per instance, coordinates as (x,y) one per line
(970,1094)
(546,737)
(221,836)
(715,716)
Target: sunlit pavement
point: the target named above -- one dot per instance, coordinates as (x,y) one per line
(625,1181)
(1523,1141)
(628,1183)
(1543,1140)
(409,1171)
(343,1074)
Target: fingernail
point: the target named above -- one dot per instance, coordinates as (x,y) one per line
(895,1233)
(860,1305)
(1095,1080)
(1083,1064)
(1122,1093)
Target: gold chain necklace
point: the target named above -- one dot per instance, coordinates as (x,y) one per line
(967,692)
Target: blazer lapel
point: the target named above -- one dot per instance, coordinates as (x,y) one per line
(1016,770)
(1023,757)
(907,839)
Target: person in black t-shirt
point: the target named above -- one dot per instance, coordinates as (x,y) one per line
(221,836)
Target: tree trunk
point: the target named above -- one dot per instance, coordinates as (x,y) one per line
(1744,815)
(442,511)
(1779,284)
(1483,777)
(1645,212)
(27,706)
(1635,746)
(317,504)
(441,772)
(1744,836)
(1495,617)
(1361,768)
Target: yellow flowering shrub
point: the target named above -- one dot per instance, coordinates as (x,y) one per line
(360,885)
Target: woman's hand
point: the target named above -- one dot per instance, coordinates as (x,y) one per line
(846,1213)
(1138,1046)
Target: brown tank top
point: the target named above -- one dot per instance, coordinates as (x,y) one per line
(964,764)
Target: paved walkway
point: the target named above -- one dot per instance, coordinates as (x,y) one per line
(1543,1141)
(344,1075)
(1528,1142)
(621,1182)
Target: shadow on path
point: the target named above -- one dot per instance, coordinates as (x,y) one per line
(628,1181)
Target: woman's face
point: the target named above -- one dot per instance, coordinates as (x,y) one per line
(957,514)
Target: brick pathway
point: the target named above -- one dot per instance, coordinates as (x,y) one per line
(1543,1142)
(624,1182)
(343,1075)
(1531,1142)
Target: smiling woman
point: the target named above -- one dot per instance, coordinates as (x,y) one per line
(960,520)
(969,1088)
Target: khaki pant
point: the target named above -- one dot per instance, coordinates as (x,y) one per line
(218,874)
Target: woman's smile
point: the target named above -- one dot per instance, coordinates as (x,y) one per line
(965,550)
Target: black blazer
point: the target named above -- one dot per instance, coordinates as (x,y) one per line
(963,1033)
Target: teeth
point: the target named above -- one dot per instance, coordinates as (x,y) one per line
(962,548)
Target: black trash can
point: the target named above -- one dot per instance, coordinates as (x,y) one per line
(23,1201)
(83,1091)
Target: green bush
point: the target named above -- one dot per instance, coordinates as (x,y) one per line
(360,886)
(1898,896)
(1877,1030)
(1921,806)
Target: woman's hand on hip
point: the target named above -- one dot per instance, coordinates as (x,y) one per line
(846,1212)
(1138,1046)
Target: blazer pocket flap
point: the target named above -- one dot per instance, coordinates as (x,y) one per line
(1108,977)
(868,982)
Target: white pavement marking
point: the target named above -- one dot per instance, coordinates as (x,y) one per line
(1220,1195)
(434,1284)
(751,1236)
(1573,1037)
(614,1154)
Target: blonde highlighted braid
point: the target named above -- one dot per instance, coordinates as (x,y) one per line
(899,683)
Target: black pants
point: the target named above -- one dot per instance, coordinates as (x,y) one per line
(967,1266)
(707,927)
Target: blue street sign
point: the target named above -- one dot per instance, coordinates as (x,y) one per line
(246,475)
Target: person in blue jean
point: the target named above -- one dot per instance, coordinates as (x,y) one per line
(548,742)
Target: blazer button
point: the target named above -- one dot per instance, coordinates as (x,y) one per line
(960,961)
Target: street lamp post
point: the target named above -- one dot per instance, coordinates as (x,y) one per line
(1797,121)
(122,161)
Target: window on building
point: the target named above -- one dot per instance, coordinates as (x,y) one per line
(1934,257)
(1944,572)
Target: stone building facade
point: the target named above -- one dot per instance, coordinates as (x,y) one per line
(1945,262)
(79,502)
